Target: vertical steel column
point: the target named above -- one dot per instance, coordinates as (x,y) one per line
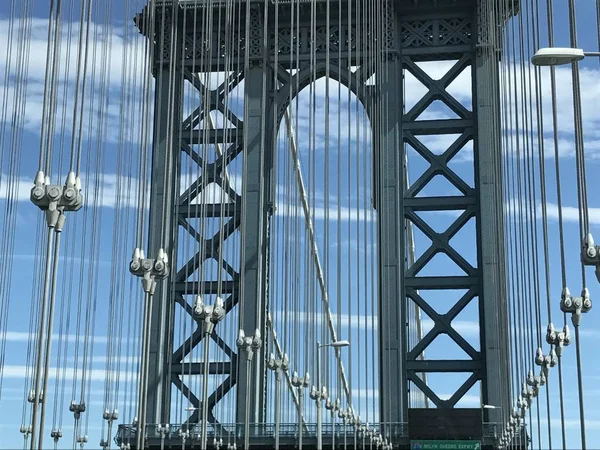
(392,314)
(256,212)
(489,161)
(162,225)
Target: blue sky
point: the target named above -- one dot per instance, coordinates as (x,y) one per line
(87,271)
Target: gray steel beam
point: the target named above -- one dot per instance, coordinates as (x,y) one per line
(449,365)
(391,241)
(214,368)
(494,339)
(162,226)
(256,211)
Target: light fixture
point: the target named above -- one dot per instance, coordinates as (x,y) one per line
(556,56)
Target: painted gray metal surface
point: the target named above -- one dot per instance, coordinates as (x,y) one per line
(415,33)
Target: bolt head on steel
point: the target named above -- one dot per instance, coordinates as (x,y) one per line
(37,193)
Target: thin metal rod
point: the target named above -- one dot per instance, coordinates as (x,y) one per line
(40,342)
(141,435)
(580,388)
(205,391)
(247,414)
(300,398)
(277,401)
(319,437)
(51,306)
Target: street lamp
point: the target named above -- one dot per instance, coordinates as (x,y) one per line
(320,393)
(556,56)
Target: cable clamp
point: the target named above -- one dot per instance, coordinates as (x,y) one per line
(209,315)
(559,340)
(575,305)
(149,270)
(56,435)
(249,344)
(300,382)
(218,443)
(82,440)
(162,430)
(31,396)
(545,362)
(26,431)
(56,199)
(318,395)
(590,253)
(104,443)
(278,365)
(77,409)
(110,417)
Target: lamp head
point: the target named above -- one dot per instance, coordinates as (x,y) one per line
(556,56)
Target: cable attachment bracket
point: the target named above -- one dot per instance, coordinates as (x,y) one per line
(300,382)
(546,362)
(26,431)
(82,440)
(559,340)
(77,409)
(590,254)
(162,430)
(149,270)
(534,382)
(208,315)
(56,435)
(31,396)
(110,417)
(318,395)
(278,365)
(575,305)
(249,344)
(56,199)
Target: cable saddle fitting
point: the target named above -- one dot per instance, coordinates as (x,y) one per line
(590,254)
(56,435)
(26,431)
(31,396)
(77,409)
(546,362)
(249,344)
(56,199)
(559,340)
(278,365)
(149,269)
(82,440)
(110,417)
(575,305)
(208,315)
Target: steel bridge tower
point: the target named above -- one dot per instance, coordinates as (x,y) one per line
(415,31)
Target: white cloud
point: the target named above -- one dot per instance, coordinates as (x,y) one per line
(19,372)
(463,327)
(20,336)
(570,213)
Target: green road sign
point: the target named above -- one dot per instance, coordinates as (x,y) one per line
(445,445)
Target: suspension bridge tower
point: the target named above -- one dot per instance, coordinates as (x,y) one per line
(266,52)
